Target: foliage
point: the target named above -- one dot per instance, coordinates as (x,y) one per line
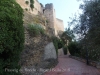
(11,36)
(39,19)
(67,36)
(92,12)
(65,50)
(31,4)
(74,49)
(26,9)
(27,2)
(60,43)
(47,21)
(55,42)
(35,29)
(88,27)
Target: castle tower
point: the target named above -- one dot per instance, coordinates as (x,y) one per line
(49,13)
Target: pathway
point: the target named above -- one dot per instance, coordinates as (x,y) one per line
(69,66)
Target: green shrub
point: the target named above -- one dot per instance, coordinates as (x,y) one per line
(65,50)
(31,4)
(55,42)
(11,36)
(74,49)
(35,29)
(26,9)
(47,21)
(60,43)
(27,2)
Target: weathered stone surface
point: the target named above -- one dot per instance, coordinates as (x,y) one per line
(60,52)
(48,11)
(39,51)
(37,6)
(50,51)
(32,57)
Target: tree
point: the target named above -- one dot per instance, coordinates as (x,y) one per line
(67,36)
(11,36)
(74,48)
(88,27)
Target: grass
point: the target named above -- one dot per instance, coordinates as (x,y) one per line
(35,29)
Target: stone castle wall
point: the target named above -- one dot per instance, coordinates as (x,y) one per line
(59,24)
(23,4)
(38,53)
(48,11)
(37,7)
(50,14)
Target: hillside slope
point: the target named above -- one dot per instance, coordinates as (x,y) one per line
(35,55)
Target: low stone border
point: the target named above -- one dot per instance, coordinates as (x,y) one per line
(92,63)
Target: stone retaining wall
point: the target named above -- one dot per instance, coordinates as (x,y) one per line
(39,53)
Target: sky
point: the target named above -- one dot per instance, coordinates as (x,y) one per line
(64,9)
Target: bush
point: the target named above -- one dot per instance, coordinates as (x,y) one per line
(27,2)
(31,4)
(35,29)
(55,42)
(11,36)
(74,49)
(47,21)
(60,44)
(65,50)
(26,9)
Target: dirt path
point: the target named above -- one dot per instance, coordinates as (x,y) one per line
(69,66)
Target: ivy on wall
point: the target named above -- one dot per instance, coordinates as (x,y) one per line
(31,4)
(27,2)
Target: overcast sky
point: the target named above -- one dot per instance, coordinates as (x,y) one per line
(64,8)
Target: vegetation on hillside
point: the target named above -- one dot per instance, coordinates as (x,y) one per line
(87,28)
(67,36)
(35,29)
(74,49)
(58,43)
(65,50)
(32,4)
(11,36)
